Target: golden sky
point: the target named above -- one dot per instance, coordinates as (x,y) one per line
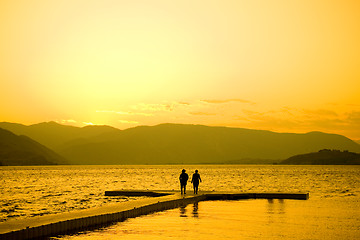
(281,65)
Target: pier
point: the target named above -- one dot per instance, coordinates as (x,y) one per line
(70,222)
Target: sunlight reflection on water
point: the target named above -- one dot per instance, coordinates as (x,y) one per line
(244,219)
(334,197)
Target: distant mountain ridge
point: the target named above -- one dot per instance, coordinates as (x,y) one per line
(54,135)
(177,143)
(21,150)
(325,157)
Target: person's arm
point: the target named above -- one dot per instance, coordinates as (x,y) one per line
(200,178)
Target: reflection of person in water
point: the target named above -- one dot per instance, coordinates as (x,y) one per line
(183,181)
(195,181)
(195,210)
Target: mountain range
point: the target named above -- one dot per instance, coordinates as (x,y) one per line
(53,135)
(21,150)
(176,143)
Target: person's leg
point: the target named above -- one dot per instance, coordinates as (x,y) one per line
(181,187)
(184,188)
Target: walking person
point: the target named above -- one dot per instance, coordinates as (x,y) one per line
(183,180)
(195,181)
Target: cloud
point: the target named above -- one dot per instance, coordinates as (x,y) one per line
(202,113)
(217,101)
(320,112)
(341,104)
(88,123)
(153,107)
(128,122)
(124,113)
(292,113)
(135,113)
(183,103)
(302,120)
(66,121)
(354,118)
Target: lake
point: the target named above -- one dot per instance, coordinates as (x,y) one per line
(332,212)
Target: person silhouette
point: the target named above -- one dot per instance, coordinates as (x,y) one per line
(195,181)
(183,180)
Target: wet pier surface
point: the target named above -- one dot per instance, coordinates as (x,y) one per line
(64,223)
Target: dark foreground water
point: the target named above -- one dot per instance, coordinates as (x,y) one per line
(332,212)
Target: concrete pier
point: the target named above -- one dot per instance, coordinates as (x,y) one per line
(64,223)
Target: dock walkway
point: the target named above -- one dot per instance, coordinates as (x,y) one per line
(64,223)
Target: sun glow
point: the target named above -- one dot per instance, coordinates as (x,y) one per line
(279,65)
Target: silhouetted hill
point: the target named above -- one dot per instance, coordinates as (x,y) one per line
(357,141)
(176,143)
(21,150)
(190,144)
(325,157)
(54,135)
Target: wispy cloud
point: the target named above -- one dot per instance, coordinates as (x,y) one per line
(220,101)
(354,118)
(149,109)
(183,103)
(153,107)
(240,113)
(302,120)
(66,121)
(202,113)
(124,113)
(128,122)
(320,112)
(88,123)
(348,104)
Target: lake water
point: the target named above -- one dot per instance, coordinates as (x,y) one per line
(332,212)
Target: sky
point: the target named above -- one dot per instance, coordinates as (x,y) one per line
(284,66)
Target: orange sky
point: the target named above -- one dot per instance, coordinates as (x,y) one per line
(285,66)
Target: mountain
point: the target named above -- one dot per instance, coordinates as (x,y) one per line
(325,157)
(54,135)
(357,141)
(177,143)
(197,144)
(21,150)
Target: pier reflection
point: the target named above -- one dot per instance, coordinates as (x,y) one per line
(183,211)
(195,210)
(275,208)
